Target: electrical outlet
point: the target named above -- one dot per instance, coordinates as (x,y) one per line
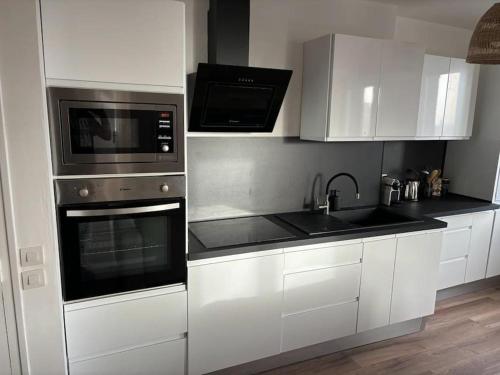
(33,279)
(31,256)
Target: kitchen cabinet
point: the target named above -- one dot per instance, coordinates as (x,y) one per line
(340,87)
(433,90)
(102,44)
(5,367)
(460,99)
(321,291)
(234,311)
(415,275)
(400,79)
(465,249)
(493,268)
(350,85)
(100,340)
(376,283)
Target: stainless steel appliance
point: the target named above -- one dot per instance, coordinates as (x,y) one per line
(411,190)
(121,234)
(391,190)
(106,131)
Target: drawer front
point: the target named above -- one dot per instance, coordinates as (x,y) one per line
(318,288)
(316,326)
(452,272)
(167,358)
(457,221)
(455,243)
(100,329)
(323,257)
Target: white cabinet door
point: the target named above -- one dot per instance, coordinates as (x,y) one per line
(5,368)
(114,41)
(460,99)
(401,76)
(167,358)
(234,312)
(452,272)
(415,276)
(376,284)
(433,96)
(482,225)
(354,86)
(494,258)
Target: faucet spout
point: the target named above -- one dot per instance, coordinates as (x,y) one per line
(346,175)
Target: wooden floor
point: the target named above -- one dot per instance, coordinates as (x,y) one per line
(463,337)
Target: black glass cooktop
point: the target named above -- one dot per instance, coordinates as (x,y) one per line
(239,231)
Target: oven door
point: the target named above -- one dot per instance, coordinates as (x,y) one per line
(107,132)
(113,248)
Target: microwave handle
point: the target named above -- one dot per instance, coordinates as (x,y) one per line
(122,211)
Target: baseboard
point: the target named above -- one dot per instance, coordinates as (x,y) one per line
(329,347)
(468,288)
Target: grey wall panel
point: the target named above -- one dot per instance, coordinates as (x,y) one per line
(241,176)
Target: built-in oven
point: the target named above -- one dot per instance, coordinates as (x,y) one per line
(121,234)
(106,131)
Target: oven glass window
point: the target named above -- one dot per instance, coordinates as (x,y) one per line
(113,131)
(118,253)
(233,106)
(124,247)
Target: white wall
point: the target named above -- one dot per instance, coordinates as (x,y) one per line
(472,165)
(27,186)
(437,39)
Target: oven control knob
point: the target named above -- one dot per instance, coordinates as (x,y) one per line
(164,188)
(83,192)
(165,148)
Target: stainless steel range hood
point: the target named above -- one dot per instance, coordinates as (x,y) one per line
(226,95)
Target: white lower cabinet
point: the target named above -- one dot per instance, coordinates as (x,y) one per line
(376,283)
(415,276)
(234,312)
(168,358)
(494,257)
(465,249)
(141,332)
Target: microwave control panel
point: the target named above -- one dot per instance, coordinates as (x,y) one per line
(165,133)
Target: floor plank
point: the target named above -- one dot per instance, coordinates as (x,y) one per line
(462,337)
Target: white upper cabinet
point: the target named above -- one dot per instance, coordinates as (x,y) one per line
(460,99)
(400,79)
(108,42)
(433,96)
(340,88)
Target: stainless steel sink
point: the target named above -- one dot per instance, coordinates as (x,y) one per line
(373,217)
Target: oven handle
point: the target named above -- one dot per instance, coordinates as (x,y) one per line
(122,211)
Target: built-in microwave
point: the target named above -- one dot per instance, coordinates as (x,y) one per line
(120,234)
(105,131)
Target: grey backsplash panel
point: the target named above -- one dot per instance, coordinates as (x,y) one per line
(231,176)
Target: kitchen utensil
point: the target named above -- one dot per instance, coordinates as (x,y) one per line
(411,190)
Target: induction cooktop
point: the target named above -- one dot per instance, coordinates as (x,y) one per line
(239,231)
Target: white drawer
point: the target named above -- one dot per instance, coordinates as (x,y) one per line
(452,272)
(457,221)
(313,327)
(455,243)
(318,288)
(167,358)
(122,325)
(323,257)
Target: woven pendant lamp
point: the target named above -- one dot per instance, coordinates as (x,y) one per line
(484,47)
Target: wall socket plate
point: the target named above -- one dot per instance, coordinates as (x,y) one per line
(31,256)
(33,279)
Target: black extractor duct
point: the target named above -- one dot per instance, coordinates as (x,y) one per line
(226,95)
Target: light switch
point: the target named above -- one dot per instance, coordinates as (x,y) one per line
(31,256)
(33,279)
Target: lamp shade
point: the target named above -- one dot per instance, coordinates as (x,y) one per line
(484,47)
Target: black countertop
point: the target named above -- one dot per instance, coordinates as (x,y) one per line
(425,210)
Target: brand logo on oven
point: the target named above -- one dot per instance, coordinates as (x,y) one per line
(125,189)
(245,80)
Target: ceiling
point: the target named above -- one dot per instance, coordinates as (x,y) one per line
(458,13)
